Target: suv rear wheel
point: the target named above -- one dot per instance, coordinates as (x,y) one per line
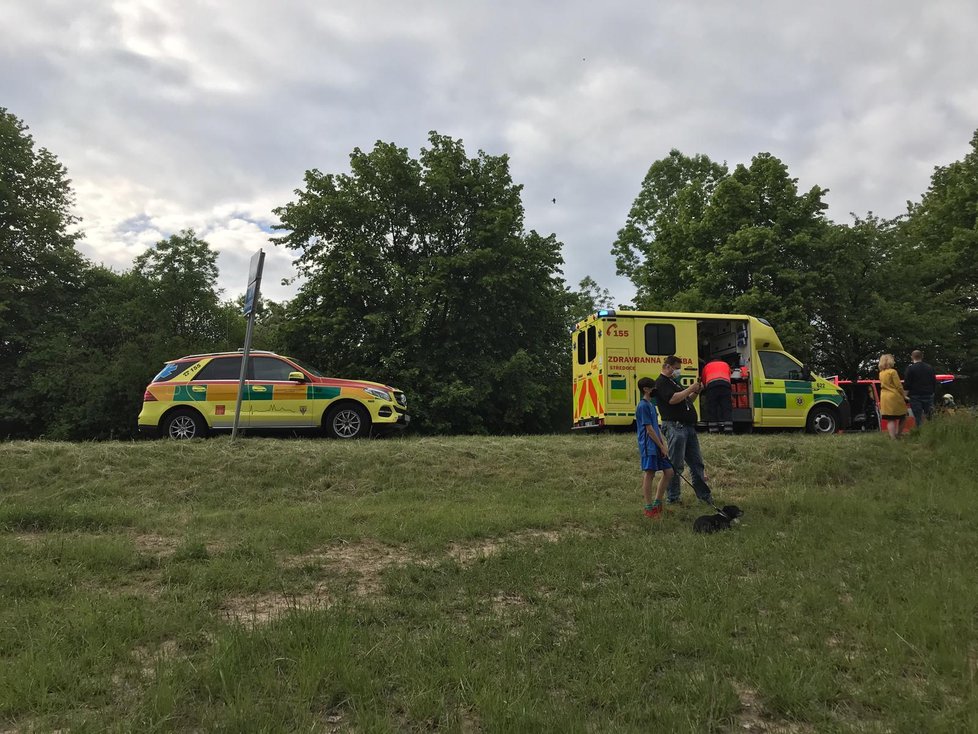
(184,424)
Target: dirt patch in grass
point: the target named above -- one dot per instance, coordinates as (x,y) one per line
(336,721)
(508,603)
(29,539)
(156,545)
(366,561)
(148,658)
(30,727)
(369,559)
(753,718)
(261,609)
(162,546)
(849,650)
(467,553)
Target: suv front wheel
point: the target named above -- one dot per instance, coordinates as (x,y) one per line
(822,419)
(348,420)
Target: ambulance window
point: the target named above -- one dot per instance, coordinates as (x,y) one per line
(779,366)
(581,349)
(592,343)
(222,368)
(660,339)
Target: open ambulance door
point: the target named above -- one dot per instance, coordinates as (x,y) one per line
(728,339)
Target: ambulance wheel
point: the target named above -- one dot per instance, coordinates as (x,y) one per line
(823,419)
(184,423)
(347,420)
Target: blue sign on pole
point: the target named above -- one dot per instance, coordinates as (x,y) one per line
(250,309)
(254,283)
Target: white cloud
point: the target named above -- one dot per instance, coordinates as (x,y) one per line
(205,115)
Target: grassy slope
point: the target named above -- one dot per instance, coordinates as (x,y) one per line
(491,584)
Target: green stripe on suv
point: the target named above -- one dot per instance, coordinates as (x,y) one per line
(184,394)
(321,392)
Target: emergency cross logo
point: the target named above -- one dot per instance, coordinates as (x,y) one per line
(613,330)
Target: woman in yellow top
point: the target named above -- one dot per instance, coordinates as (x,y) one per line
(893,399)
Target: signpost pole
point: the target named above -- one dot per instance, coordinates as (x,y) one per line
(250,309)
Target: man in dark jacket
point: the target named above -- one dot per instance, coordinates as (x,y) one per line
(679,424)
(920,381)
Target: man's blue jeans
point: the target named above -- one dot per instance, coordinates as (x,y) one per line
(684,448)
(922,407)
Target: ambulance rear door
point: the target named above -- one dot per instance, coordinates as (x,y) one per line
(620,374)
(588,377)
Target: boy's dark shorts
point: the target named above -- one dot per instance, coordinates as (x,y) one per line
(652,462)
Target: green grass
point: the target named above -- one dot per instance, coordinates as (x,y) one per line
(488,584)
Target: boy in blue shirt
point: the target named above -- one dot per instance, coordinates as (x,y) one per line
(651,450)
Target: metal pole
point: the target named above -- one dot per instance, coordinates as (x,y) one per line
(244,369)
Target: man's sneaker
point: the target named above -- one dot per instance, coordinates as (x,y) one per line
(676,502)
(654,513)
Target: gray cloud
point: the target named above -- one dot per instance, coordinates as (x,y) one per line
(174,115)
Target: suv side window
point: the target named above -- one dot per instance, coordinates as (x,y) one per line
(270,369)
(220,368)
(779,366)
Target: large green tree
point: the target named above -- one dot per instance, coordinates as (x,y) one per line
(586,300)
(87,378)
(700,238)
(419,272)
(40,269)
(763,253)
(860,309)
(84,376)
(664,241)
(940,255)
(182,272)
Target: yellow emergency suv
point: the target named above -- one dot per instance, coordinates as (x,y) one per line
(194,395)
(612,350)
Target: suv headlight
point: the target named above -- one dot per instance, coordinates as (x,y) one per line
(379,394)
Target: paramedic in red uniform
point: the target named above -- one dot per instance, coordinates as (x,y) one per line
(718,407)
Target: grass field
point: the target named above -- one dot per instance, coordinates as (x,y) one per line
(488,584)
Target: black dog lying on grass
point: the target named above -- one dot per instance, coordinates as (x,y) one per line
(715,523)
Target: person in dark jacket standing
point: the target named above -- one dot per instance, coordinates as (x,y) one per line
(679,424)
(920,381)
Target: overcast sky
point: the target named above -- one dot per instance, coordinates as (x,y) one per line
(174,114)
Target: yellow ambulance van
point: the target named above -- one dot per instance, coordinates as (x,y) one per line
(612,350)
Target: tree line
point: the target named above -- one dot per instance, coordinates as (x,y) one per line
(420,272)
(700,237)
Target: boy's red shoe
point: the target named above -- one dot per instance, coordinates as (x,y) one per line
(655,512)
